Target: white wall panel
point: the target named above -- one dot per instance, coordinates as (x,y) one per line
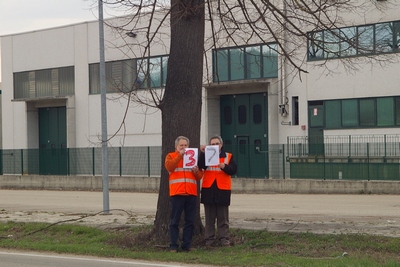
(43,49)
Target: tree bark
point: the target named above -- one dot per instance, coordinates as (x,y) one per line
(181,105)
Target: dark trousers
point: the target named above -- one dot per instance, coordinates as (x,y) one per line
(179,204)
(220,213)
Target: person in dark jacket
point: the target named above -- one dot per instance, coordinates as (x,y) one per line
(216,193)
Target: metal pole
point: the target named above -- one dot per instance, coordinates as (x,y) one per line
(106,204)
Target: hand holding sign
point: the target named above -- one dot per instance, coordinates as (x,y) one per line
(212,155)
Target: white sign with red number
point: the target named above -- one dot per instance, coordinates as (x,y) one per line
(212,155)
(190,157)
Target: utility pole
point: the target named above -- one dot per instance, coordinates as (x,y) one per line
(106,201)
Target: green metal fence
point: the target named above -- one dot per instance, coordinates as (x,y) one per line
(384,145)
(253,161)
(141,161)
(350,160)
(352,157)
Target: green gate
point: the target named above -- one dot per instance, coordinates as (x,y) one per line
(53,159)
(316,129)
(244,128)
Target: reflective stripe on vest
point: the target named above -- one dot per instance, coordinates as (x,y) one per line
(215,173)
(182,180)
(218,169)
(181,169)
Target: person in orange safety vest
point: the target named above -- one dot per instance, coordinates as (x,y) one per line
(183,194)
(216,193)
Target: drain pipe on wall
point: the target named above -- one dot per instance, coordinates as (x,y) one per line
(283,106)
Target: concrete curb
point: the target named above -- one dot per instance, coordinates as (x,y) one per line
(239,185)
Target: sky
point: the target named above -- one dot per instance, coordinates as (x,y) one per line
(18,16)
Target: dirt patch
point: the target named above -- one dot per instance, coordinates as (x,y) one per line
(326,225)
(322,214)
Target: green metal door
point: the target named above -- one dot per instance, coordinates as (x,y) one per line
(243,157)
(258,145)
(315,131)
(244,130)
(242,133)
(53,141)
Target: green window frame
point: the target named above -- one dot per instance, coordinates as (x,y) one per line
(385,111)
(333,114)
(243,63)
(366,40)
(315,45)
(359,40)
(350,113)
(221,65)
(397,110)
(124,76)
(367,112)
(237,63)
(253,62)
(384,37)
(362,113)
(332,43)
(270,61)
(21,85)
(44,83)
(348,40)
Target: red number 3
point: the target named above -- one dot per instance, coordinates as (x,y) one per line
(192,160)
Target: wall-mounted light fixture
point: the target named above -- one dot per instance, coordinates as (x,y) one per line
(131,34)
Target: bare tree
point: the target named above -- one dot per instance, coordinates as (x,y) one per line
(293,25)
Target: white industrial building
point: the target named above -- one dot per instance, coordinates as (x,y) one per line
(50,93)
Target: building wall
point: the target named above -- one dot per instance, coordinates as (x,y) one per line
(78,45)
(357,77)
(1,112)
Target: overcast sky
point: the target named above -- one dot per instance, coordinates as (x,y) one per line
(28,15)
(18,16)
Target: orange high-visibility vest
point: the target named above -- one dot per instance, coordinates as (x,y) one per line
(182,180)
(213,173)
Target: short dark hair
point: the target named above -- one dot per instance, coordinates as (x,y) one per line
(216,137)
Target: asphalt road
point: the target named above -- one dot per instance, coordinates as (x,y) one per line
(21,259)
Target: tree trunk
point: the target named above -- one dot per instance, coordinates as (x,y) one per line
(181,106)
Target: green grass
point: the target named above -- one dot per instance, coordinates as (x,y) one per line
(251,248)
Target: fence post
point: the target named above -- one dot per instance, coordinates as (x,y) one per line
(120,161)
(384,138)
(324,165)
(148,161)
(368,161)
(287,143)
(349,146)
(22,162)
(283,161)
(1,162)
(68,163)
(93,164)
